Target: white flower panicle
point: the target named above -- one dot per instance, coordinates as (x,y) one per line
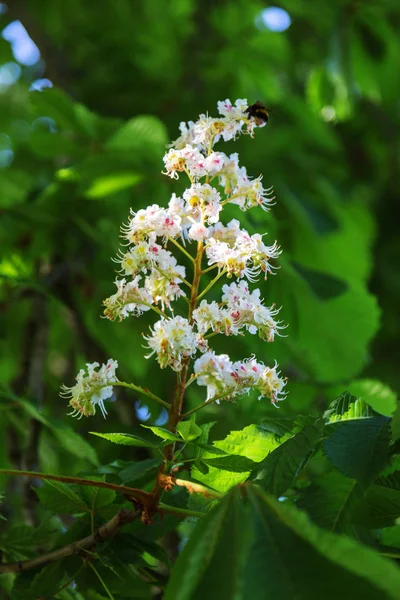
(152,279)
(91,389)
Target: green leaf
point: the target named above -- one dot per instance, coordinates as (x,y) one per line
(203,438)
(142,471)
(60,498)
(382,506)
(96,497)
(359,448)
(340,407)
(125,439)
(163,433)
(292,558)
(324,286)
(395,424)
(278,470)
(378,395)
(49,580)
(332,501)
(188,430)
(256,547)
(143,133)
(19,542)
(211,564)
(231,462)
(280,426)
(249,442)
(111,184)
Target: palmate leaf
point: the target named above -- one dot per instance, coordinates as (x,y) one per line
(278,470)
(252,546)
(359,448)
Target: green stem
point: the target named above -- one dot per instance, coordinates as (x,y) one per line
(143,391)
(212,282)
(205,404)
(91,565)
(182,249)
(156,309)
(204,271)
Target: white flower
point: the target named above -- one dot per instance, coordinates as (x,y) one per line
(189,159)
(214,371)
(150,222)
(214,163)
(203,202)
(250,193)
(92,389)
(271,384)
(248,310)
(173,340)
(129,298)
(240,254)
(163,284)
(211,316)
(198,232)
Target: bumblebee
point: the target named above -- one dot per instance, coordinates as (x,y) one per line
(259,113)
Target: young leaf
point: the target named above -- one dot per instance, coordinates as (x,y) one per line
(278,470)
(125,439)
(359,448)
(188,430)
(378,395)
(165,434)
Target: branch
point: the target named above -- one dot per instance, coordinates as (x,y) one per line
(99,536)
(142,497)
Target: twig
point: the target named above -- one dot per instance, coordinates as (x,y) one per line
(140,495)
(101,534)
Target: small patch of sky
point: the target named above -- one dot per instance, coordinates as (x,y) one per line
(274,19)
(24,48)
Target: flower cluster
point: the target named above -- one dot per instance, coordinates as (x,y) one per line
(91,389)
(225,379)
(239,310)
(174,341)
(152,278)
